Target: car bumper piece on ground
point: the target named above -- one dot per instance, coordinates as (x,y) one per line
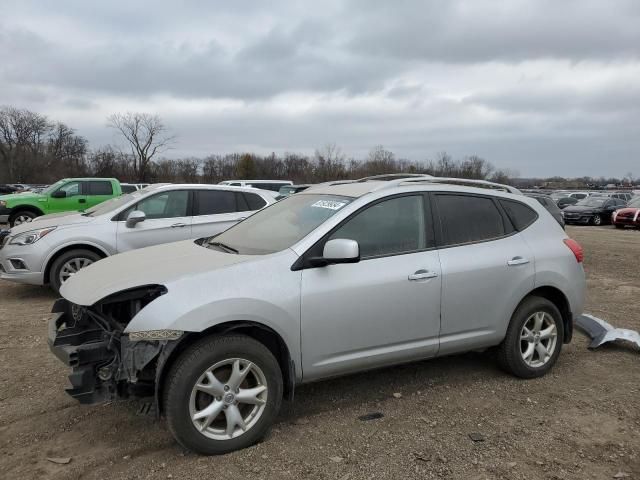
(602,332)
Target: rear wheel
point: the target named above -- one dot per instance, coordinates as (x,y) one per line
(222,394)
(534,339)
(68,264)
(22,216)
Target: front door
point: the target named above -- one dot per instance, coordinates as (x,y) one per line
(168,219)
(74,199)
(384,309)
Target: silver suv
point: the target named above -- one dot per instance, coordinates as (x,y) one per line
(334,280)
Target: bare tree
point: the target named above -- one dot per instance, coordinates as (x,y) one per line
(147,136)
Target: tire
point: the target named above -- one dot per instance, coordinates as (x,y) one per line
(513,349)
(68,261)
(21,216)
(182,400)
(596,220)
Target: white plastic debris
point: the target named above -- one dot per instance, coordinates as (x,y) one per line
(603,332)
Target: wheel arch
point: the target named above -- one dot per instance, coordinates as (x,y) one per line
(66,248)
(559,299)
(25,207)
(258,331)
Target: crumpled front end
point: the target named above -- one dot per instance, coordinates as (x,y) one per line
(106,363)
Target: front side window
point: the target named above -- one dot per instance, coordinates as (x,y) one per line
(467,219)
(281,225)
(390,227)
(71,189)
(162,205)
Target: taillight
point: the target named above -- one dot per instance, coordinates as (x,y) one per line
(576,248)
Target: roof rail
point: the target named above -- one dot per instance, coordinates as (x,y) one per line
(464,181)
(393,176)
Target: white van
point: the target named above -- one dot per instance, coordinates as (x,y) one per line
(273,185)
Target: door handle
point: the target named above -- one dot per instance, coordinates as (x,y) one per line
(82,200)
(517,261)
(422,275)
(178,225)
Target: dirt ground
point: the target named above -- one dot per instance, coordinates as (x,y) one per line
(580,421)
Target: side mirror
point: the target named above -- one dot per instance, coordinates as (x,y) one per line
(338,250)
(59,194)
(135,217)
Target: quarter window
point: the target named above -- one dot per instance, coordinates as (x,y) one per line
(467,218)
(390,227)
(255,202)
(521,216)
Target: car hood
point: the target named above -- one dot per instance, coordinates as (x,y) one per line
(147,266)
(53,220)
(581,209)
(13,198)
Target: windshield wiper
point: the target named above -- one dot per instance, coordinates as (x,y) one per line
(223,246)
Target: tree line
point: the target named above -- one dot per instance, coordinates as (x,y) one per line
(35,149)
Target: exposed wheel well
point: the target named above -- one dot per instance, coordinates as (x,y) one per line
(560,301)
(79,246)
(263,334)
(26,208)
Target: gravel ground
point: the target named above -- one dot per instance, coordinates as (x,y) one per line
(580,421)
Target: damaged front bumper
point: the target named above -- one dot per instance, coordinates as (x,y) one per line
(106,364)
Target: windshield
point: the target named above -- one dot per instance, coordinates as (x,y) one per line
(592,202)
(112,204)
(281,225)
(53,188)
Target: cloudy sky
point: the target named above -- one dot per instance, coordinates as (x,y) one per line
(544,87)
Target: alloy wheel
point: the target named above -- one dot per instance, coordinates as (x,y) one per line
(228,399)
(597,220)
(538,339)
(73,266)
(20,219)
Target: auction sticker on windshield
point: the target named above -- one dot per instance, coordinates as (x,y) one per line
(330,204)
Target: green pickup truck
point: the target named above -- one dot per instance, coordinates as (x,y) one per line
(68,194)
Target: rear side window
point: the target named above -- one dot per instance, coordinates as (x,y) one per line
(520,214)
(213,202)
(467,219)
(128,188)
(255,202)
(99,188)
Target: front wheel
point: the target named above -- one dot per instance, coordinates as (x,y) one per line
(222,394)
(68,264)
(596,220)
(533,340)
(23,216)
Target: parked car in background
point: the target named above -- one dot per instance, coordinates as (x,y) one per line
(273,185)
(54,248)
(330,281)
(7,189)
(290,190)
(628,216)
(547,202)
(68,194)
(624,196)
(565,202)
(593,210)
(132,187)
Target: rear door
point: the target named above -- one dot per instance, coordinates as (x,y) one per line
(97,191)
(487,268)
(215,211)
(168,219)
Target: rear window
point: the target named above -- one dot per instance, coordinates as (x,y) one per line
(520,214)
(467,219)
(99,188)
